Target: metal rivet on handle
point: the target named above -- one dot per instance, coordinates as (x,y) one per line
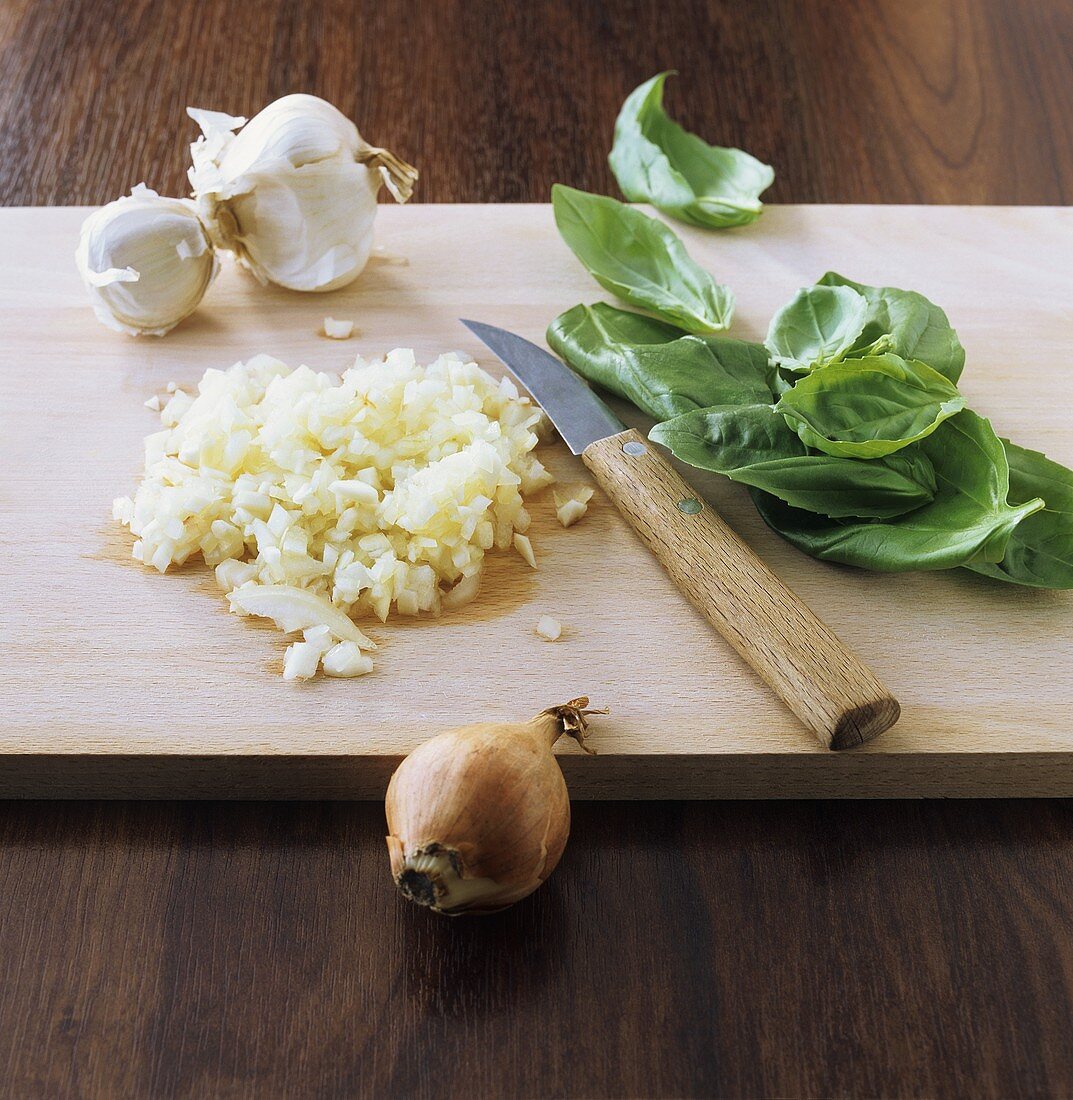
(633,448)
(691,506)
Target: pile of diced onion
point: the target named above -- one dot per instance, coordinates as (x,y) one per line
(320,498)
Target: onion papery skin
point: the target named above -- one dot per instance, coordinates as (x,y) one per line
(478,817)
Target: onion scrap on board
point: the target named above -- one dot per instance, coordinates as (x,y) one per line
(318,498)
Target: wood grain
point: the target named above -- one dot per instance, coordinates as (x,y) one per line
(142,677)
(700,949)
(895,949)
(957,101)
(822,681)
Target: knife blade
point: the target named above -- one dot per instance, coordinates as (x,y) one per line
(578,414)
(818,677)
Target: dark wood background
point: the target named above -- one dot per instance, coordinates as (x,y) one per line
(895,949)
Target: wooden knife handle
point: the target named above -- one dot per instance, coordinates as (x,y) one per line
(818,678)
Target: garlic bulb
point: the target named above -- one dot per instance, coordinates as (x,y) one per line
(146,262)
(478,817)
(293,193)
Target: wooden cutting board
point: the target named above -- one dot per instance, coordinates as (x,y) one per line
(117,681)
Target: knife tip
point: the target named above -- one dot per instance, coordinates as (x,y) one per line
(480,329)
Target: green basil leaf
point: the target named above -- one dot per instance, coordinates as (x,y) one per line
(1040,550)
(610,325)
(640,260)
(819,325)
(970,519)
(752,444)
(916,328)
(658,367)
(868,408)
(656,161)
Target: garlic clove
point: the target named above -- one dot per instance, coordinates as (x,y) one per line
(293,193)
(146,261)
(300,129)
(308,229)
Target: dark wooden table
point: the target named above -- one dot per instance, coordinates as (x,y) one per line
(896,949)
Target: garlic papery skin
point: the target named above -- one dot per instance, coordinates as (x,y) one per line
(146,261)
(478,817)
(293,193)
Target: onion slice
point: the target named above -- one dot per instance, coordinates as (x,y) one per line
(293,609)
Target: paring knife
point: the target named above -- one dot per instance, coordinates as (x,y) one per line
(815,674)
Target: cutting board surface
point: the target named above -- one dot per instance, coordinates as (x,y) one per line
(120,681)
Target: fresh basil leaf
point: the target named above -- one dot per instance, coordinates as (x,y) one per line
(659,368)
(607,324)
(782,380)
(1040,550)
(868,408)
(639,259)
(752,444)
(819,325)
(970,519)
(917,329)
(656,161)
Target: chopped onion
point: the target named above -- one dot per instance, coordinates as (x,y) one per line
(464,592)
(571,503)
(318,498)
(293,609)
(319,636)
(345,660)
(525,548)
(549,628)
(232,573)
(301,661)
(338,330)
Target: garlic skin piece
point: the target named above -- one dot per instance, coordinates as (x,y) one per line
(146,261)
(478,817)
(293,193)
